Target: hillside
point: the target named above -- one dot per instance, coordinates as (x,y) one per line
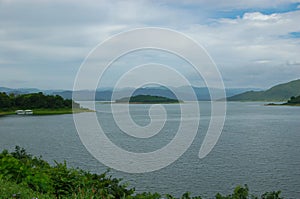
(280,92)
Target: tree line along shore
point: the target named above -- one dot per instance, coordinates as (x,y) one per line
(39,103)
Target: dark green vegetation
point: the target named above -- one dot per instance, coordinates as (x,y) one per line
(34,101)
(36,176)
(40,103)
(25,176)
(293,101)
(281,92)
(147,99)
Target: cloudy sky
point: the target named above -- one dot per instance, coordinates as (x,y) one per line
(254,43)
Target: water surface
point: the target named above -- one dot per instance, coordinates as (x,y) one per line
(259,146)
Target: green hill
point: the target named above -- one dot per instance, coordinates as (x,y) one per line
(280,92)
(147,99)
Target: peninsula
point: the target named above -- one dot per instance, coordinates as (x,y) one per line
(38,103)
(293,101)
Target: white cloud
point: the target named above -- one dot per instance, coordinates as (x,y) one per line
(254,41)
(260,17)
(50,35)
(246,4)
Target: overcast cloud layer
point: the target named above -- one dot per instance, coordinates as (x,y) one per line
(254,43)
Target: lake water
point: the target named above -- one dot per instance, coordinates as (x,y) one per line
(259,146)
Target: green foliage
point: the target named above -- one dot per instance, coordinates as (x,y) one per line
(34,101)
(23,168)
(294,100)
(58,180)
(272,195)
(25,176)
(241,192)
(5,101)
(64,180)
(9,189)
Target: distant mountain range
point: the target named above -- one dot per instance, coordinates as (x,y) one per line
(27,90)
(202,93)
(19,90)
(280,92)
(105,94)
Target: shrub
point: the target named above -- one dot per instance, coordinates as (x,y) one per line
(29,177)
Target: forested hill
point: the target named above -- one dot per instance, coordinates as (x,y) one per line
(34,101)
(281,92)
(147,99)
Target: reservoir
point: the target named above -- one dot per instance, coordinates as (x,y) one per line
(259,146)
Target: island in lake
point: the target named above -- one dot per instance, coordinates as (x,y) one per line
(148,99)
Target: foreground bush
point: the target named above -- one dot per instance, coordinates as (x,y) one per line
(25,176)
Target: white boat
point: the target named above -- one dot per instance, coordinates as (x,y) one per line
(20,112)
(24,112)
(28,112)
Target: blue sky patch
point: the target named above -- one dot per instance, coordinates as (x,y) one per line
(233,14)
(291,35)
(294,34)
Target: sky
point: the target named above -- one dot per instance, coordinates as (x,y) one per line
(254,43)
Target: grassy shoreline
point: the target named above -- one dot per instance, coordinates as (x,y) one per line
(3,113)
(60,111)
(285,104)
(51,111)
